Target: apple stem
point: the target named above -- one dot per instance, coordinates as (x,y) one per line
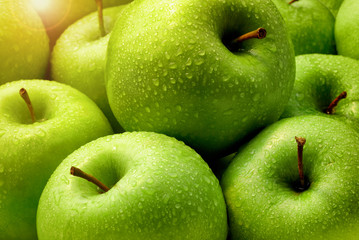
(79,173)
(259,33)
(300,143)
(292,1)
(100,17)
(23,93)
(335,102)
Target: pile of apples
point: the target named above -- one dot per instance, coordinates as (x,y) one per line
(189,119)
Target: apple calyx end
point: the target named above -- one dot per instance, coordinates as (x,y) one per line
(24,94)
(79,173)
(334,103)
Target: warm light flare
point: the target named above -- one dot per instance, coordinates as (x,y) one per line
(41,5)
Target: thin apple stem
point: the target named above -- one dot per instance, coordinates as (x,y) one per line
(259,33)
(79,173)
(300,143)
(332,105)
(100,17)
(23,93)
(292,1)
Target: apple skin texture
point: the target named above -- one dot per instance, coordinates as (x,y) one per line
(257,185)
(24,44)
(347,29)
(30,152)
(310,26)
(333,5)
(79,56)
(60,14)
(160,189)
(178,78)
(320,78)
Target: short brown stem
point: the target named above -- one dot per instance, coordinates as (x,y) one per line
(292,1)
(300,143)
(79,173)
(332,105)
(100,17)
(23,93)
(259,33)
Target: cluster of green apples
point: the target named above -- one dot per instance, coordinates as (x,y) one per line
(189,119)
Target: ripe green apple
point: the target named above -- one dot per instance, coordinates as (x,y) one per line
(78,58)
(310,25)
(65,119)
(347,29)
(159,189)
(261,186)
(321,78)
(57,15)
(24,44)
(169,70)
(333,5)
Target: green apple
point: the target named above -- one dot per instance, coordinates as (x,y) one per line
(24,44)
(265,199)
(65,119)
(57,15)
(78,58)
(347,29)
(159,189)
(320,79)
(333,5)
(310,25)
(169,70)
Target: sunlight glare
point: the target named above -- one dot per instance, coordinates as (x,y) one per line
(41,5)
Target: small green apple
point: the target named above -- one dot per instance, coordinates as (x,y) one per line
(320,79)
(170,70)
(310,25)
(332,5)
(159,189)
(24,44)
(78,58)
(57,15)
(261,185)
(347,29)
(64,120)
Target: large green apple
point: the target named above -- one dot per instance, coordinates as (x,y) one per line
(347,29)
(169,70)
(159,189)
(333,5)
(320,79)
(264,198)
(24,44)
(310,25)
(57,15)
(78,58)
(65,119)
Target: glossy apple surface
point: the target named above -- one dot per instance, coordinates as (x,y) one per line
(169,71)
(29,152)
(347,29)
(159,189)
(79,56)
(320,78)
(24,44)
(260,183)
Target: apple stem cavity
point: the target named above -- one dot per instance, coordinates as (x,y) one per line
(292,1)
(100,17)
(332,105)
(23,93)
(300,143)
(79,173)
(259,33)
